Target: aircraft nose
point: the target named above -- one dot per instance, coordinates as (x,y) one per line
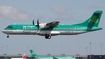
(4,31)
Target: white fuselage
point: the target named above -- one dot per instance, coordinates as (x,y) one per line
(40,32)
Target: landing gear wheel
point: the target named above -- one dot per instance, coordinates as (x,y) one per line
(47,36)
(7,36)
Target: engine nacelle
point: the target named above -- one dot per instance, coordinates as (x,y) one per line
(47,25)
(43,25)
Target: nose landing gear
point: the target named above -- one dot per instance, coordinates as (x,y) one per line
(7,36)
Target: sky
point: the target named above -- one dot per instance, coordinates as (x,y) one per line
(65,11)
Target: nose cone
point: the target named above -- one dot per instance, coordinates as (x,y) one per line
(4,31)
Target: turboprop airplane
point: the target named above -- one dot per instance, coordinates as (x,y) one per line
(54,28)
(33,54)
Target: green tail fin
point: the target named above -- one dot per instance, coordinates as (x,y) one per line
(93,21)
(33,53)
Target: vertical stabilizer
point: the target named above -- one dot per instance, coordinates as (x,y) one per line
(93,21)
(33,53)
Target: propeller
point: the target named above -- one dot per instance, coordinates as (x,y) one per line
(33,22)
(38,23)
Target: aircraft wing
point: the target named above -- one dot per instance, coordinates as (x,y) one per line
(52,24)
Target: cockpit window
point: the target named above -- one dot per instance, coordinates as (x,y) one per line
(9,26)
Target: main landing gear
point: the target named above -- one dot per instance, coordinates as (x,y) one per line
(48,36)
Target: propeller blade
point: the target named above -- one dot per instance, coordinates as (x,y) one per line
(38,23)
(33,22)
